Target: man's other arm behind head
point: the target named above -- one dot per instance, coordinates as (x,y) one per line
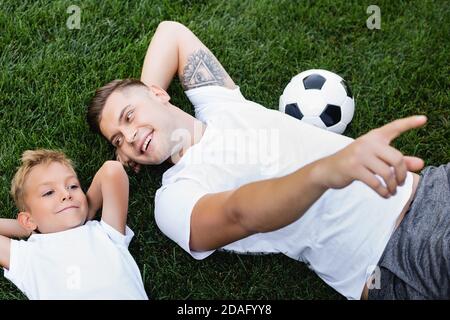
(174,49)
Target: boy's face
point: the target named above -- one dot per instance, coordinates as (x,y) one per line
(138,123)
(54,199)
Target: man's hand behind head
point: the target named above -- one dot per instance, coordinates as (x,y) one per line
(127,162)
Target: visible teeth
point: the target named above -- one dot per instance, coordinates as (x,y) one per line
(147,141)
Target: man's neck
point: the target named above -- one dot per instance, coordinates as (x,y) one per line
(191,132)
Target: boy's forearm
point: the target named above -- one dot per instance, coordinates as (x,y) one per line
(107,180)
(94,196)
(271,204)
(12,229)
(109,191)
(114,189)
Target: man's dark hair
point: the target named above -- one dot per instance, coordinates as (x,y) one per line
(97,103)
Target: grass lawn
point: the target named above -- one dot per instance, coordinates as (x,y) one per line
(48,74)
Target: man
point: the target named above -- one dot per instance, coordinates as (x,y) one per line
(250,179)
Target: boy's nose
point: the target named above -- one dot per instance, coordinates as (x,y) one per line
(66,196)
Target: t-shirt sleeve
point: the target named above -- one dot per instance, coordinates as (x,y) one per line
(173,209)
(116,236)
(18,263)
(209,99)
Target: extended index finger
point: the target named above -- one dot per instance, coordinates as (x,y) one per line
(395,128)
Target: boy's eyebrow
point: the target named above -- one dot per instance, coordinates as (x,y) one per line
(118,121)
(50,182)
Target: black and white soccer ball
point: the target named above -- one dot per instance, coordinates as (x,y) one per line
(319,97)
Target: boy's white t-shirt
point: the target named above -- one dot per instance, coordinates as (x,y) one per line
(341,236)
(88,262)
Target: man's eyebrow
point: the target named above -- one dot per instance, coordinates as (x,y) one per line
(119,120)
(122,112)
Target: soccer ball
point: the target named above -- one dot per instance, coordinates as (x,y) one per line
(319,97)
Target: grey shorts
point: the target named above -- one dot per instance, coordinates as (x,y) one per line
(416,261)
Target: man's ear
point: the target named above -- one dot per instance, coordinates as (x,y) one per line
(159,93)
(26,221)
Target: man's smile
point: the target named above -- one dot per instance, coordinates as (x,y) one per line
(145,142)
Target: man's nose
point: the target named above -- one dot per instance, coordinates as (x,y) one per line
(130,136)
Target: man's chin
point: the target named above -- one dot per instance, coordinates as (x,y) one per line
(143,162)
(148,162)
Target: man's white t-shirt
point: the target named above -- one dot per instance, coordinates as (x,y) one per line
(341,236)
(88,262)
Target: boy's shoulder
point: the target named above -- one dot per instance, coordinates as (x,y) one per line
(88,226)
(93,235)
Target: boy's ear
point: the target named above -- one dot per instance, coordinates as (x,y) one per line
(159,93)
(26,221)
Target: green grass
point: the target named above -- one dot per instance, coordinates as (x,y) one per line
(48,73)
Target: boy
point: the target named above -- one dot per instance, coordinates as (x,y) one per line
(68,255)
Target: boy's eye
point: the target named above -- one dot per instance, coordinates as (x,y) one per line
(73,186)
(48,193)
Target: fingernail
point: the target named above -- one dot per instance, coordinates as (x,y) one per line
(421,117)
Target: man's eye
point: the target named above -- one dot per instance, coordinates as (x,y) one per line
(48,193)
(117,142)
(129,114)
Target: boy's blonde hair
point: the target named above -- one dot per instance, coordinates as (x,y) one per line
(30,159)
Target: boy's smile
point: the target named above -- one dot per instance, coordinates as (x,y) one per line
(67,209)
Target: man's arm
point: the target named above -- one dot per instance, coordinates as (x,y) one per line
(174,49)
(221,218)
(109,190)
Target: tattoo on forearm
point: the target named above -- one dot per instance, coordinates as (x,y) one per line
(202,69)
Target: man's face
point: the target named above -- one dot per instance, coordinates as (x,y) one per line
(54,198)
(138,124)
